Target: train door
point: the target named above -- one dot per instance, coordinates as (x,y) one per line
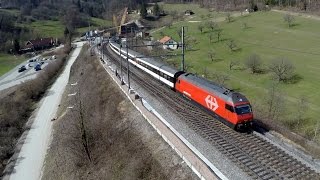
(229,113)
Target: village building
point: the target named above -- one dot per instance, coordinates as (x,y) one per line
(133,28)
(188,12)
(39,44)
(168,43)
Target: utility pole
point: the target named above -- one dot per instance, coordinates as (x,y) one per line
(183,46)
(128,71)
(101,46)
(121,64)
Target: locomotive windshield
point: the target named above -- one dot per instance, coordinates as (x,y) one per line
(243,109)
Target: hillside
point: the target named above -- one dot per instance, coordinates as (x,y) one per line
(266,35)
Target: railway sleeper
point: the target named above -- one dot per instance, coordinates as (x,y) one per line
(269,176)
(263,173)
(245,161)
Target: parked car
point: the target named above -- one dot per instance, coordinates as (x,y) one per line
(22,68)
(37,67)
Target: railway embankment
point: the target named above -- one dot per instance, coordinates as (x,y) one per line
(118,143)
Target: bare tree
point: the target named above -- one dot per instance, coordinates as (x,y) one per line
(228,17)
(282,68)
(190,42)
(233,63)
(175,15)
(210,36)
(275,103)
(220,78)
(316,130)
(288,18)
(80,132)
(254,63)
(211,25)
(200,27)
(179,32)
(302,109)
(244,25)
(212,55)
(218,33)
(232,45)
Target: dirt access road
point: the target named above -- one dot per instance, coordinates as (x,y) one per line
(34,143)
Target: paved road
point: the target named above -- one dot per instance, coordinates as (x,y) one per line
(13,77)
(31,157)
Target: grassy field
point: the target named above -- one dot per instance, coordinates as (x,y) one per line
(199,13)
(97,23)
(270,37)
(46,28)
(7,62)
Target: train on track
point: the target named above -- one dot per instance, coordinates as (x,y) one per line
(231,108)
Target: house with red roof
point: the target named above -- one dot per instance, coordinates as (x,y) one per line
(168,43)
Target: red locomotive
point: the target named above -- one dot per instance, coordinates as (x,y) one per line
(233,107)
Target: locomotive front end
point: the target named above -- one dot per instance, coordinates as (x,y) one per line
(244,115)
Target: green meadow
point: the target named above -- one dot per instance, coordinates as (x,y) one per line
(97,23)
(50,28)
(199,13)
(267,35)
(7,62)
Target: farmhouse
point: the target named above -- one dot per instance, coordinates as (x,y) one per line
(39,44)
(168,43)
(188,12)
(132,27)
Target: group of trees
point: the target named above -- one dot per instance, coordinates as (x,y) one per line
(282,68)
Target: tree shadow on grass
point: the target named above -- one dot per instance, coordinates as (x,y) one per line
(239,68)
(237,49)
(193,49)
(294,79)
(216,60)
(294,25)
(261,71)
(247,28)
(222,40)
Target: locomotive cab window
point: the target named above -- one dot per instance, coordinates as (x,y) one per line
(243,109)
(230,108)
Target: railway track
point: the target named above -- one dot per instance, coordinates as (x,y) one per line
(254,155)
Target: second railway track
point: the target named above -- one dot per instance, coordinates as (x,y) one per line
(257,157)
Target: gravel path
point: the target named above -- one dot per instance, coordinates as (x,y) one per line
(35,142)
